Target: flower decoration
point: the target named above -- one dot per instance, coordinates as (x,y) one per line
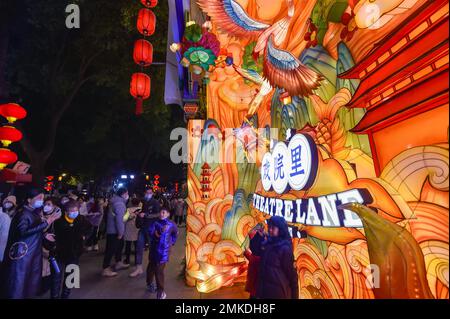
(348,20)
(311,35)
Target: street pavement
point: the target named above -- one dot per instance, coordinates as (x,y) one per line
(94,286)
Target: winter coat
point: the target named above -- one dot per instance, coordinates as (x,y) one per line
(163,234)
(114,223)
(131,231)
(5,222)
(95,215)
(254,259)
(151,210)
(70,238)
(278,277)
(23,255)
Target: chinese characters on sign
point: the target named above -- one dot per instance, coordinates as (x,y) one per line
(293,165)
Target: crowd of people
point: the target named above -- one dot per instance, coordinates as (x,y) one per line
(40,238)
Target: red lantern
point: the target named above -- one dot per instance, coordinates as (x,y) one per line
(6,157)
(140,88)
(12,112)
(143,53)
(9,134)
(150,3)
(146,22)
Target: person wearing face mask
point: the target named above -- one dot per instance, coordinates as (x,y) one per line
(148,215)
(48,244)
(115,229)
(9,206)
(70,233)
(23,254)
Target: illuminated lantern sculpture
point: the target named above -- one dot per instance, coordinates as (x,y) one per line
(146,22)
(12,112)
(7,157)
(143,53)
(150,3)
(140,89)
(9,134)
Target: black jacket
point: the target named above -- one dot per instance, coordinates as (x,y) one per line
(151,210)
(23,255)
(278,278)
(69,238)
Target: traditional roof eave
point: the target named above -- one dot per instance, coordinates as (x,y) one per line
(390,42)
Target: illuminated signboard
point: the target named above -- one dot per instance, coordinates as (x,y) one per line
(316,211)
(292,166)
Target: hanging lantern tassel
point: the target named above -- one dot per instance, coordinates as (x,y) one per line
(140,87)
(139,106)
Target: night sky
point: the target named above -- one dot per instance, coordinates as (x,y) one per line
(98,134)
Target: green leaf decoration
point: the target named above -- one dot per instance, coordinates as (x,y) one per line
(193,33)
(337,10)
(327,11)
(248,62)
(321,245)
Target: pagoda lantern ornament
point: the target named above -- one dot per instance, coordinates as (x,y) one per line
(205,181)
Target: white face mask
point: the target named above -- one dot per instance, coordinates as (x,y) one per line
(38,204)
(48,208)
(8,205)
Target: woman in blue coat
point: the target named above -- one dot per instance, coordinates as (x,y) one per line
(23,253)
(278,277)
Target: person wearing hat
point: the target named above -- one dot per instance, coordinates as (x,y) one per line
(9,205)
(277,276)
(23,253)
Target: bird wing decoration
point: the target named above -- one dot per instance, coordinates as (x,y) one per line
(250,75)
(230,17)
(284,70)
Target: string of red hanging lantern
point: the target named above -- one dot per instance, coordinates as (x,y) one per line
(8,133)
(140,86)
